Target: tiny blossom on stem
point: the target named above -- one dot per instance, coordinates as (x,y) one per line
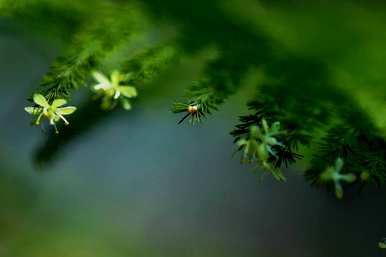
(259,146)
(114,90)
(52,112)
(333,174)
(382,243)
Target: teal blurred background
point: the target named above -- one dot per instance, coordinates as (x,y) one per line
(139,185)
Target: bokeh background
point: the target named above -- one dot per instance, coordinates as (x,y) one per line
(137,184)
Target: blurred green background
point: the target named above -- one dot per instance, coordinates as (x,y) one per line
(139,185)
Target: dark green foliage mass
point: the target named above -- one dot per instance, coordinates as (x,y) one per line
(298,109)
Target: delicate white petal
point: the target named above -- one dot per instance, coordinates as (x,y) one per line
(102,86)
(40,100)
(117,94)
(116,77)
(102,79)
(29,109)
(58,103)
(66,110)
(128,91)
(33,110)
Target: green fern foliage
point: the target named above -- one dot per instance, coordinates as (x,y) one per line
(117,49)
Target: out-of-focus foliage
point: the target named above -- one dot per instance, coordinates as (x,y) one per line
(321,67)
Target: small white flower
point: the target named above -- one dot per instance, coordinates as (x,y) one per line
(333,174)
(112,89)
(52,112)
(259,146)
